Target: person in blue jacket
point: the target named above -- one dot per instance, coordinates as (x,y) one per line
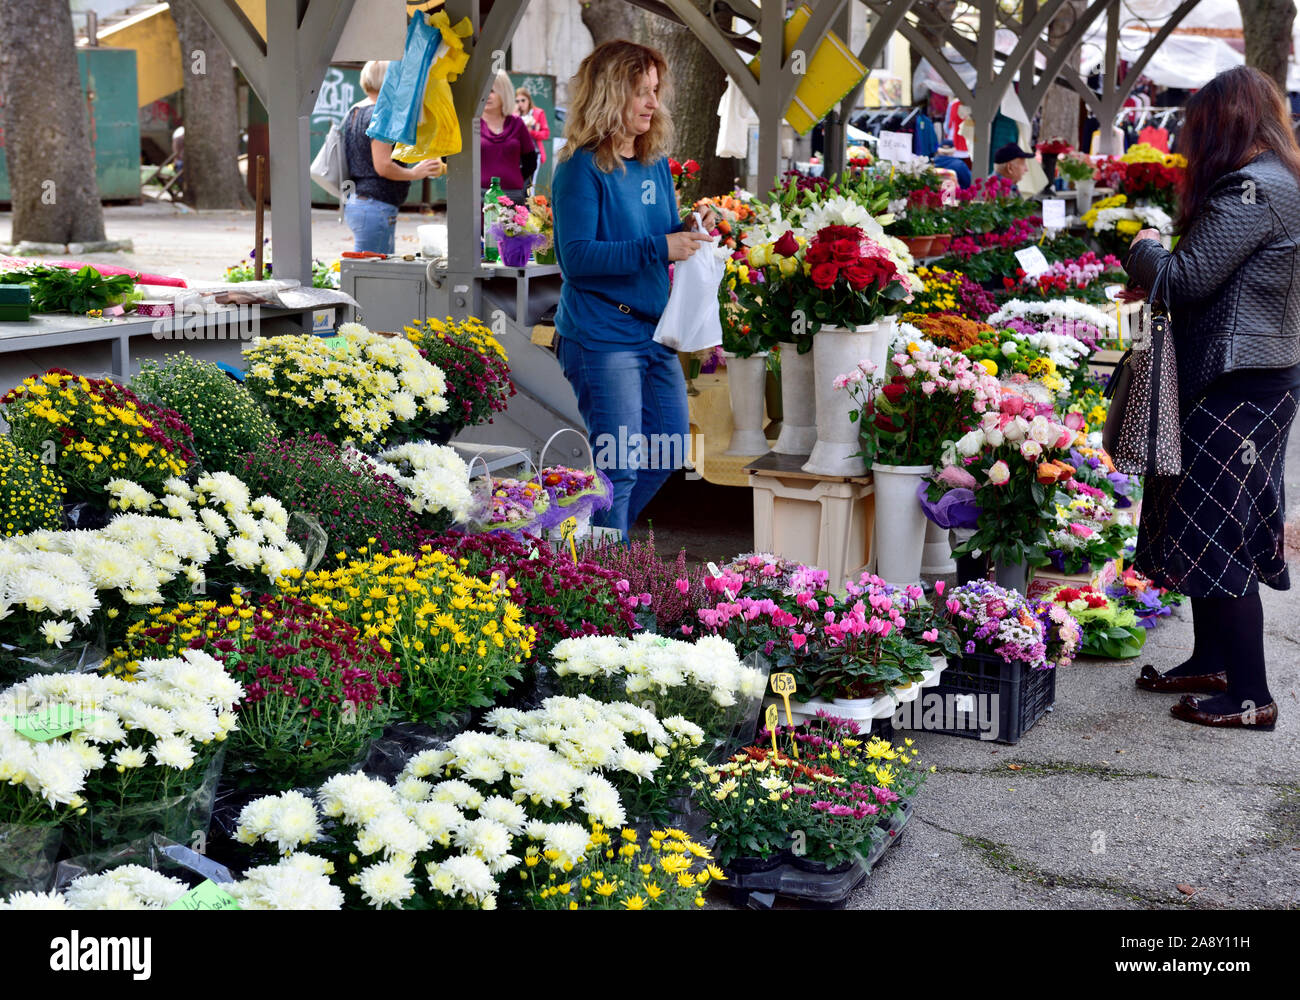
(617,228)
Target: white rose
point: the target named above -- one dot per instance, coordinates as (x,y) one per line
(970,443)
(1031,449)
(994,437)
(1016,429)
(1040,430)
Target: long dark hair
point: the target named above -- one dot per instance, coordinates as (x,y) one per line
(1235,116)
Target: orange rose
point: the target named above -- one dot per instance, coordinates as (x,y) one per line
(1048,473)
(1067,470)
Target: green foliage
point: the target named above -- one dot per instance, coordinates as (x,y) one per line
(226,420)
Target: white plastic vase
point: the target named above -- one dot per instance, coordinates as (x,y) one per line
(835,352)
(746,380)
(798,403)
(882,338)
(937,558)
(1082,196)
(900,522)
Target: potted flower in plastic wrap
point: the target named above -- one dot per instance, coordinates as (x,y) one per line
(933,397)
(1015,459)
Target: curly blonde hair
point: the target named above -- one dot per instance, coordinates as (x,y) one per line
(605,84)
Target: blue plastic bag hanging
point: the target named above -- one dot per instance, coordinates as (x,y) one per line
(397,110)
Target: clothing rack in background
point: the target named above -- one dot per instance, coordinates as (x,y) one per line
(1159,117)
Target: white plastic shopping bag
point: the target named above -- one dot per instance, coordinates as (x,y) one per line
(691,319)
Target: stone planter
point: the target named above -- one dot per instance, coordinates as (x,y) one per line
(835,351)
(900,522)
(798,403)
(746,379)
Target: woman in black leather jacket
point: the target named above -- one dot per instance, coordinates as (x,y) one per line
(1232,285)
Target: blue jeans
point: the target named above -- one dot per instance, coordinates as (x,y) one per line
(634,405)
(373,223)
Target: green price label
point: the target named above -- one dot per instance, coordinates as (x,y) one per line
(50,722)
(339,345)
(206,896)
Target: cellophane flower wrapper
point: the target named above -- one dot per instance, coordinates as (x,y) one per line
(181,809)
(27,853)
(17,663)
(155,852)
(585,503)
(955,509)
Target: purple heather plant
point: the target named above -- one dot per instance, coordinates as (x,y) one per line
(353,503)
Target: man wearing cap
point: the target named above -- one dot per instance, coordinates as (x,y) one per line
(1011,162)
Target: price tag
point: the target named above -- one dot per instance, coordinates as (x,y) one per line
(206,896)
(713,570)
(895,146)
(1033,261)
(339,345)
(568,527)
(50,722)
(783,684)
(1054,213)
(772,717)
(1112,292)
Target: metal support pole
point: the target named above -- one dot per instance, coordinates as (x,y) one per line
(1109,86)
(834,141)
(770,112)
(290,144)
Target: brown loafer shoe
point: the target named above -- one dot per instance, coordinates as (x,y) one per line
(1189,710)
(1150,680)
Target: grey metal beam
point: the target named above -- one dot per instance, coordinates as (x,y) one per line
(1032,96)
(318,36)
(464,195)
(770,110)
(290,143)
(241,39)
(834,142)
(720,47)
(883,30)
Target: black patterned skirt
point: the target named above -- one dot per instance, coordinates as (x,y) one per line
(1216,530)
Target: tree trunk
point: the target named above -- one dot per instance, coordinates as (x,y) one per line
(1266,25)
(212,178)
(46,136)
(1060,104)
(698,83)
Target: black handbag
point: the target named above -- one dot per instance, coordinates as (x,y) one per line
(1142,424)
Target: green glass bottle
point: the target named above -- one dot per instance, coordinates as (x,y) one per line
(491,215)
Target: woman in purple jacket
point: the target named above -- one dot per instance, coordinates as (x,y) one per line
(506,150)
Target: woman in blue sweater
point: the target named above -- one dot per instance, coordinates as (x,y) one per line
(616,230)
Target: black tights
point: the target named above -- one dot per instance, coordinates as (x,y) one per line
(1229,636)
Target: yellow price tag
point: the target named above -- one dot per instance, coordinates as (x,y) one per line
(783,684)
(568,527)
(773,719)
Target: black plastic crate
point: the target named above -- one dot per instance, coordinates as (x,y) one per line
(967,690)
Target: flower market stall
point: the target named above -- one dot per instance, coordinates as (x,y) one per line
(282,618)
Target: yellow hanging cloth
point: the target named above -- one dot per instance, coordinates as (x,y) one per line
(438,133)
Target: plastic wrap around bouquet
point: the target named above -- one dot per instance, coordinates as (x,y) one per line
(955,510)
(575,493)
(518,248)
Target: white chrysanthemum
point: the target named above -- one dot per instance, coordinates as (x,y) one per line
(289,885)
(412,789)
(173,752)
(462,875)
(568,839)
(130,887)
(509,814)
(398,836)
(458,793)
(355,797)
(485,838)
(386,883)
(35,901)
(439,820)
(600,801)
(429,762)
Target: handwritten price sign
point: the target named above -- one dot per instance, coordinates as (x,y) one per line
(206,896)
(569,527)
(783,685)
(772,717)
(50,722)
